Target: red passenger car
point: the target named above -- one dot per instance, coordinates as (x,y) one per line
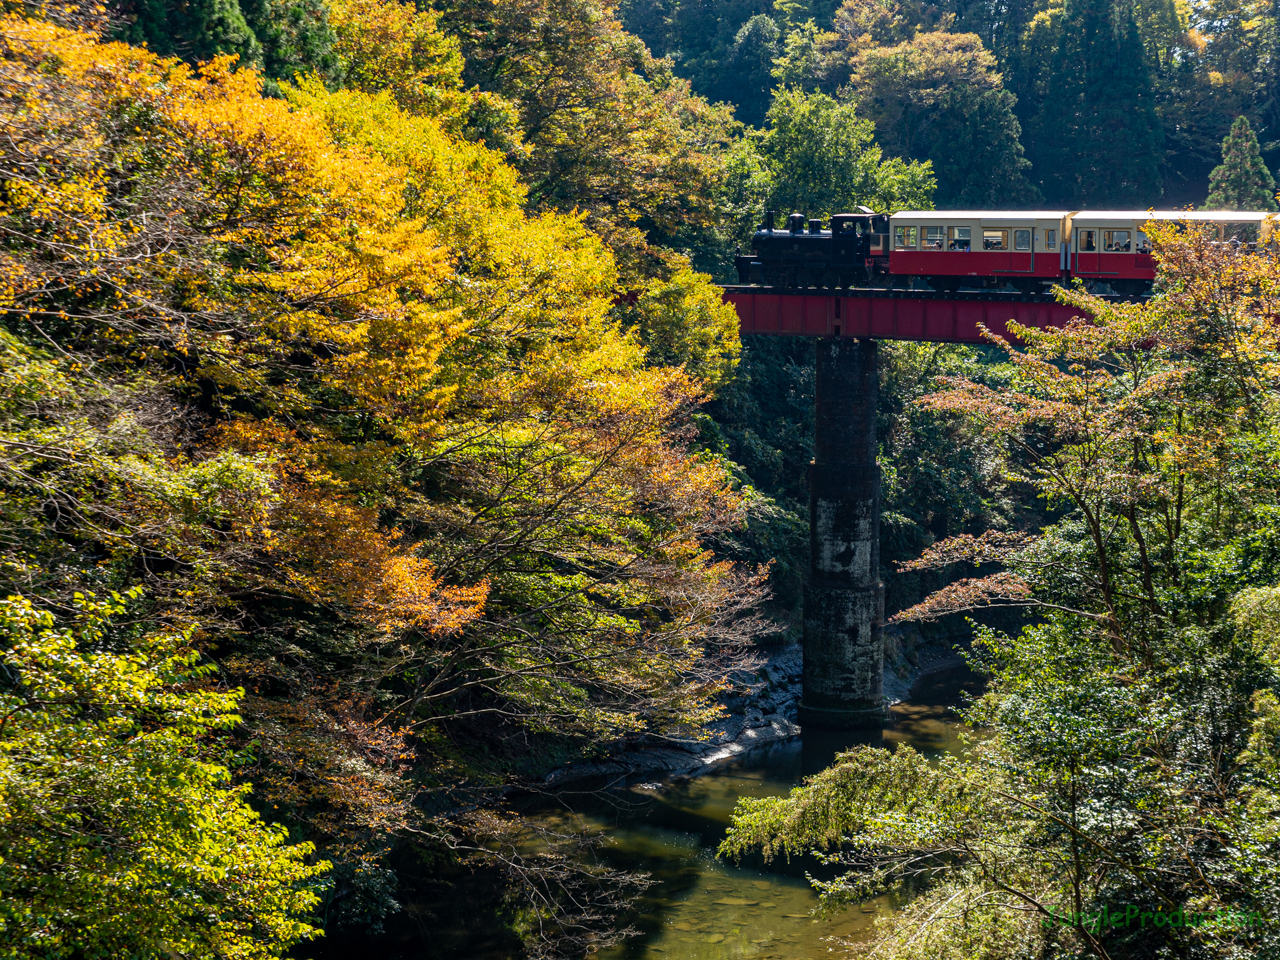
(949,250)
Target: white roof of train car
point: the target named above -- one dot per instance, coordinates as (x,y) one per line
(981,214)
(1220,216)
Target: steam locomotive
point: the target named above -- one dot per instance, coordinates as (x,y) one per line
(952,250)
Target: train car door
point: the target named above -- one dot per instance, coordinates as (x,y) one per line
(1022,257)
(1118,256)
(996,249)
(1088,241)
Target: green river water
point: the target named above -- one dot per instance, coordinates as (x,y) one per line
(699,908)
(703,908)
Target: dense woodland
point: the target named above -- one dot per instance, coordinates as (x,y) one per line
(1097,104)
(373,440)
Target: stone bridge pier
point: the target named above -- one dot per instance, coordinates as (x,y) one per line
(844,599)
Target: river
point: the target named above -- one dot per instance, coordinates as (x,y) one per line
(703,908)
(699,908)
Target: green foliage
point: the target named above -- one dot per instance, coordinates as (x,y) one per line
(846,804)
(1097,137)
(938,97)
(750,65)
(1257,614)
(1199,67)
(1242,181)
(685,322)
(608,130)
(295,36)
(823,160)
(938,479)
(802,64)
(200,30)
(282,38)
(763,422)
(119,836)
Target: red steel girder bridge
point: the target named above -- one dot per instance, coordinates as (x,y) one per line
(892,314)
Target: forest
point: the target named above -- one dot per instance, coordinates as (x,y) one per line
(375,440)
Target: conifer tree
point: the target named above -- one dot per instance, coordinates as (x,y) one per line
(1242,181)
(282,38)
(1097,139)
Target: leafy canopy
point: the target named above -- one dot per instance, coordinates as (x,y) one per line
(117,836)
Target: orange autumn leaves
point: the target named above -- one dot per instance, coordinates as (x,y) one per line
(322,256)
(369,427)
(337,552)
(324,546)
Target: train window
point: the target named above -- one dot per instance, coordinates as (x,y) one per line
(1144,245)
(1050,239)
(904,238)
(995,239)
(934,238)
(1022,239)
(957,238)
(1087,240)
(1115,241)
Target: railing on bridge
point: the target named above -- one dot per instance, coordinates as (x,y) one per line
(892,314)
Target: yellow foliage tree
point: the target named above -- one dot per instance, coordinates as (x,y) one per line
(308,369)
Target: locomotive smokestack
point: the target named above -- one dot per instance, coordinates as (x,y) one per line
(768,220)
(815,226)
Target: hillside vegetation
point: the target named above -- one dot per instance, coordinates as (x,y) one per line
(374,440)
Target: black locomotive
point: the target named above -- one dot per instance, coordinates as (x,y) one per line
(853,253)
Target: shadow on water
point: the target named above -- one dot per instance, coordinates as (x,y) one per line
(701,908)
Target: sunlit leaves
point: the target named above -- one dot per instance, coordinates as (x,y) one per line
(117,836)
(307,368)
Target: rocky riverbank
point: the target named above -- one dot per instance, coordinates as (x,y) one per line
(762,708)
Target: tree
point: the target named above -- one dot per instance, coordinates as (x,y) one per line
(295,36)
(686,322)
(282,38)
(387,45)
(750,64)
(880,22)
(803,64)
(822,159)
(198,31)
(119,835)
(938,97)
(309,370)
(1242,181)
(1097,138)
(608,130)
